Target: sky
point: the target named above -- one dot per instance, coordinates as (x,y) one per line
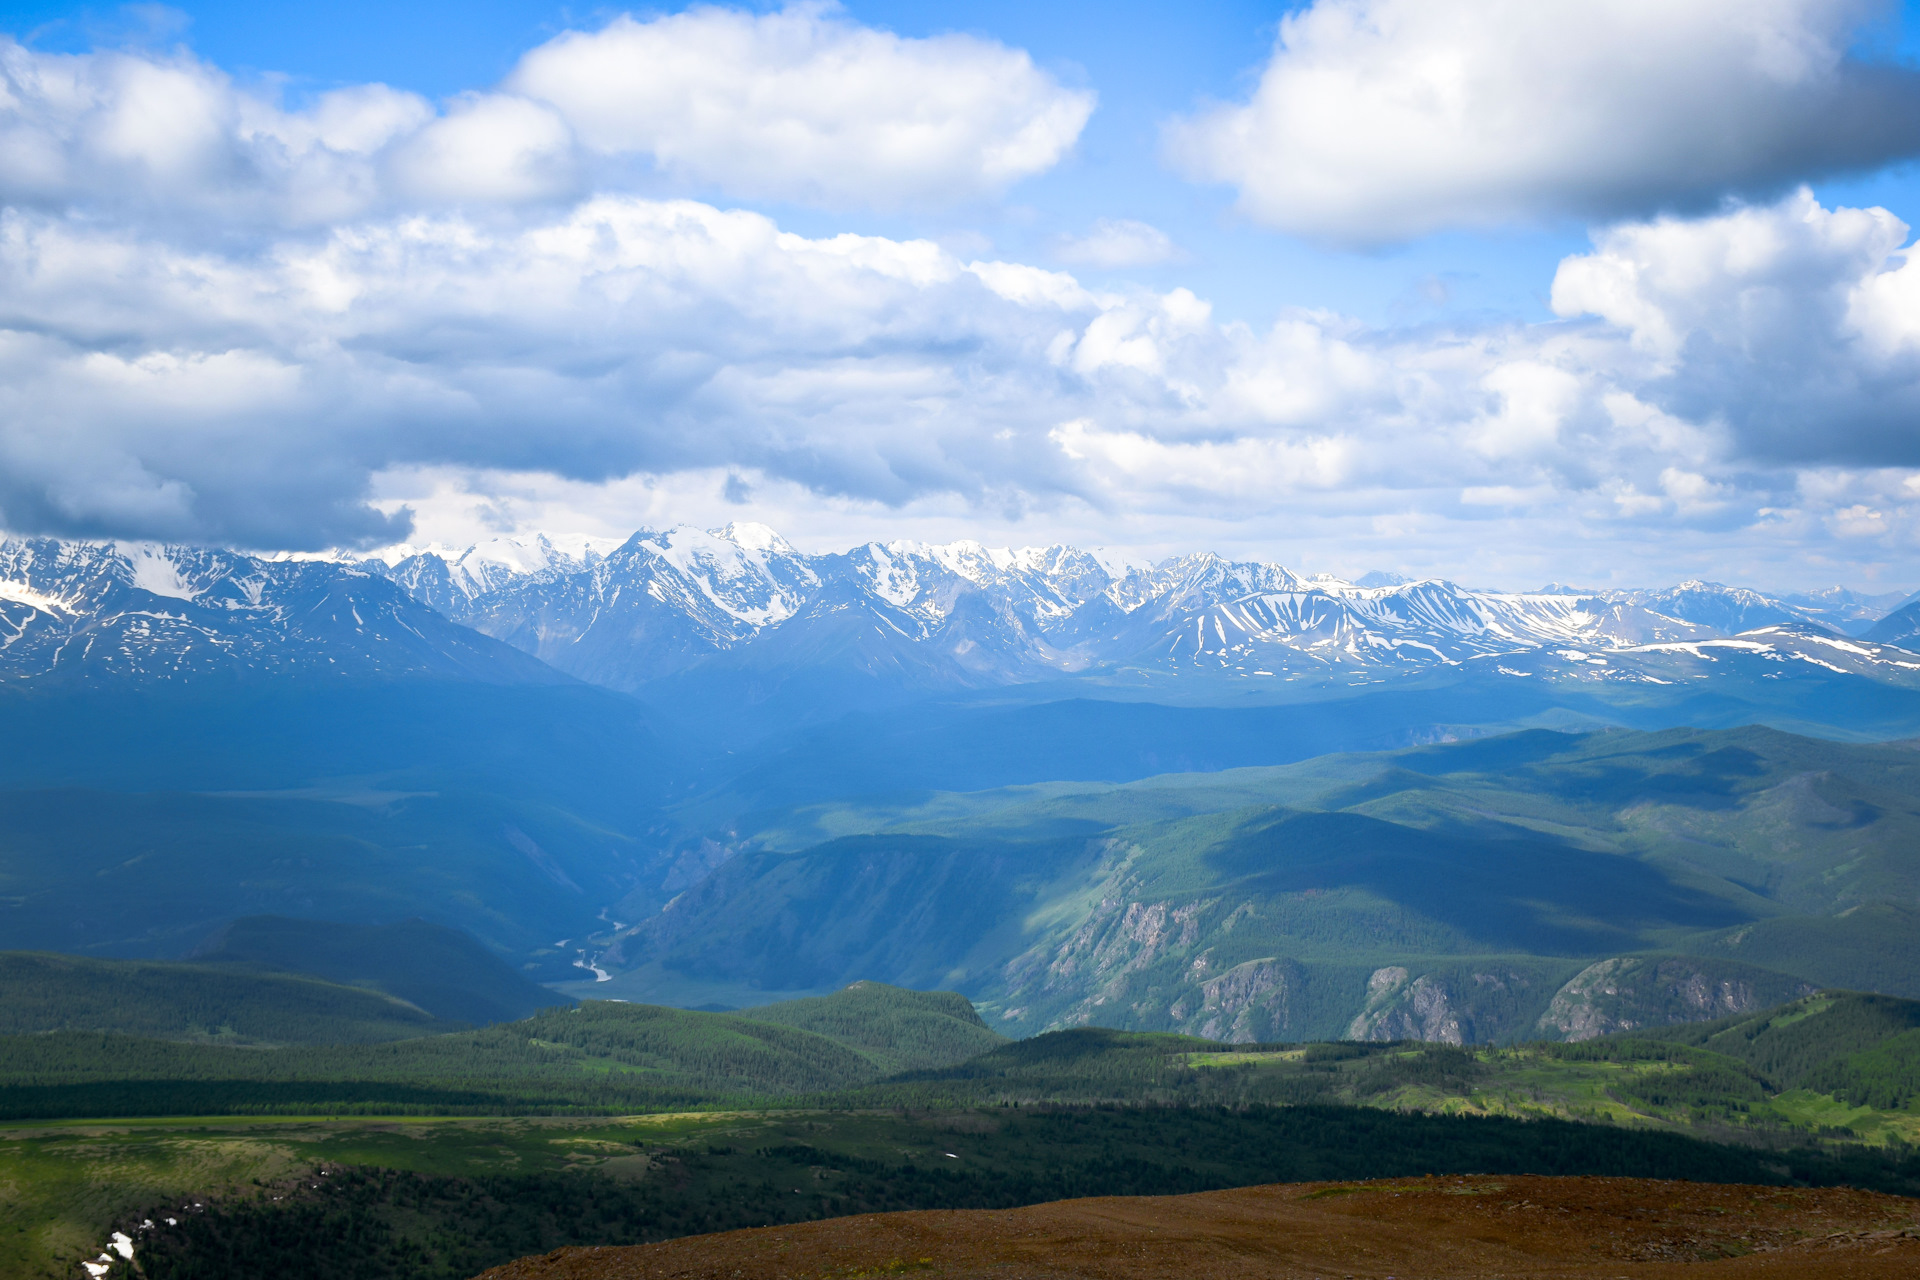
(1611,293)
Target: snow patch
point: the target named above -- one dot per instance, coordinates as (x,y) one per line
(1841,645)
(754,537)
(891,580)
(734,578)
(155,571)
(21,593)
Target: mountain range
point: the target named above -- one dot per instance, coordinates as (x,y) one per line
(656,764)
(737,615)
(94,613)
(683,612)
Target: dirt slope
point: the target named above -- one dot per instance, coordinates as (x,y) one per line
(1420,1229)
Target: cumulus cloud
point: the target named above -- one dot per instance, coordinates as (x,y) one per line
(1794,325)
(1383,120)
(624,334)
(170,134)
(267,396)
(801,105)
(226,320)
(804,105)
(1119,242)
(489,149)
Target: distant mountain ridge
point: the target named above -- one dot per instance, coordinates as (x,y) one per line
(86,612)
(686,608)
(686,614)
(1901,627)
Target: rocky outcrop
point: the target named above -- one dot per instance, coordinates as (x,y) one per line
(1626,993)
(1122,938)
(1459,1006)
(1398,1008)
(1248,1004)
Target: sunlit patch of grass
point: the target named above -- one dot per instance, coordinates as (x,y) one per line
(1823,1111)
(1250,1058)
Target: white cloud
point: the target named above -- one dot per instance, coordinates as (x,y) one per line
(1133,466)
(1750,272)
(495,348)
(804,105)
(1790,325)
(1119,242)
(1534,400)
(1382,120)
(171,136)
(489,149)
(801,104)
(1858,521)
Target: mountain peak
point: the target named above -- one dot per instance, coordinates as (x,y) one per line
(751,536)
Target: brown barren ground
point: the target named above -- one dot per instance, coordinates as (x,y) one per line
(1414,1229)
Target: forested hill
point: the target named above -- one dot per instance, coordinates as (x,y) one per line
(600,1056)
(1531,885)
(41,992)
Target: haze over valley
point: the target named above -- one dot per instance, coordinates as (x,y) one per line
(621,627)
(705,768)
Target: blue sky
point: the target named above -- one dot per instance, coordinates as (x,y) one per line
(1519,337)
(1148,62)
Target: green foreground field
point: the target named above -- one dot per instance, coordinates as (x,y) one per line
(65,1184)
(441,1199)
(433,1157)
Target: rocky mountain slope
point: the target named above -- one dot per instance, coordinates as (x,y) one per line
(1534,885)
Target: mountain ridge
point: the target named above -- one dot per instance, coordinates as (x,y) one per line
(80,613)
(686,616)
(688,609)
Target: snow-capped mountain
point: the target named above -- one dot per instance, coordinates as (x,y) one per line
(738,613)
(1725,610)
(446,578)
(92,612)
(742,604)
(1901,627)
(1853,612)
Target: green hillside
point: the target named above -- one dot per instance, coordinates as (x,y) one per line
(1874,946)
(606,1058)
(897,1029)
(602,1056)
(152,874)
(442,970)
(443,1199)
(1819,1042)
(1822,1089)
(1490,891)
(1837,1067)
(41,992)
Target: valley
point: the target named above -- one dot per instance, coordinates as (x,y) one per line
(826,640)
(428,911)
(1541,884)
